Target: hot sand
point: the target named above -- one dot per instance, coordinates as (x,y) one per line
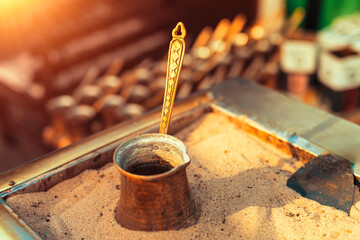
(239,181)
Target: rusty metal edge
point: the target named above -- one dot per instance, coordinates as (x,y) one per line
(302,149)
(298,124)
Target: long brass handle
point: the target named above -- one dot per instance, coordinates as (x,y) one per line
(175,60)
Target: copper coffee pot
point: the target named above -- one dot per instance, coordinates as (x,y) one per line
(154,193)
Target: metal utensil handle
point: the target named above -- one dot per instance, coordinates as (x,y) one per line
(175,60)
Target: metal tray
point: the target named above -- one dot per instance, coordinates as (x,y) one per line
(291,126)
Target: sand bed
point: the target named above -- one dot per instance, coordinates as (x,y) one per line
(239,181)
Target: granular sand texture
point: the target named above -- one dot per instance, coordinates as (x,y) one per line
(239,181)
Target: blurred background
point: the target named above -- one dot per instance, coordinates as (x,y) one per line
(71,68)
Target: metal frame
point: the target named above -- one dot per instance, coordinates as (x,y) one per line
(291,126)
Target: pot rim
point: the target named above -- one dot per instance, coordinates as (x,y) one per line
(152,136)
